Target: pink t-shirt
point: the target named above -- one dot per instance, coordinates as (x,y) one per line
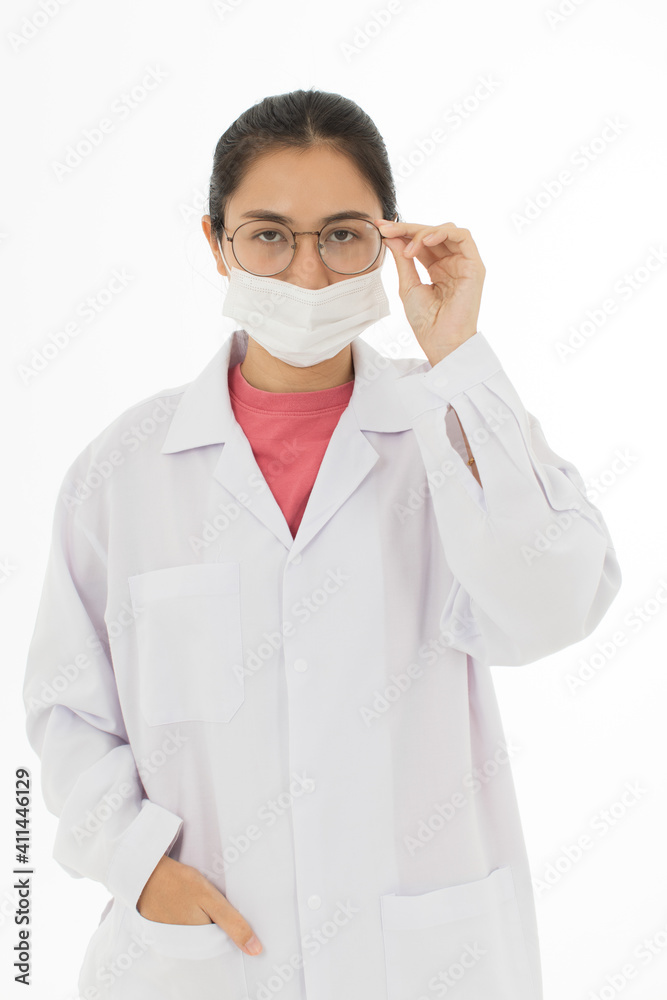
(288,433)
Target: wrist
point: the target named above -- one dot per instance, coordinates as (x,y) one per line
(436,356)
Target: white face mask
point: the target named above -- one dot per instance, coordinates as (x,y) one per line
(303,326)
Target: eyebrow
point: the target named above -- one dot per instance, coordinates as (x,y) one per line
(262,213)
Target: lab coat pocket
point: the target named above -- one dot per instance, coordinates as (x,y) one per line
(175,961)
(188,632)
(462,940)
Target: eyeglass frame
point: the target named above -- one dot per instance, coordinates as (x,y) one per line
(303,232)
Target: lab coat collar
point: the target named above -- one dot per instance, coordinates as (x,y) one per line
(204,414)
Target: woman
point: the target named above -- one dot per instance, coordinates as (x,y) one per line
(259,681)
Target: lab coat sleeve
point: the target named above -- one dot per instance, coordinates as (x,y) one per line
(534,566)
(107,830)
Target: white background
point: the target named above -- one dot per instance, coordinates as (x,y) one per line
(135,203)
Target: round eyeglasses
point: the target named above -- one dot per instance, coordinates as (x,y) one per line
(346,246)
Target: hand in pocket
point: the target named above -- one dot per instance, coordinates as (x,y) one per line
(179,894)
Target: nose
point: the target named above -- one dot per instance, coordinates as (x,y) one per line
(307,267)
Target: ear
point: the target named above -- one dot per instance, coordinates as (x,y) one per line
(214,245)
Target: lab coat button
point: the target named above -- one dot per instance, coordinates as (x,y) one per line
(300,665)
(314,902)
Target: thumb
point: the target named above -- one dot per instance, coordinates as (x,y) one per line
(407,272)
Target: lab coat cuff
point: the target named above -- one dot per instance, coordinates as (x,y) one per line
(148,838)
(470,363)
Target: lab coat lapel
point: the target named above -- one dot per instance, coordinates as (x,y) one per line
(204,416)
(237,470)
(350,455)
(347,461)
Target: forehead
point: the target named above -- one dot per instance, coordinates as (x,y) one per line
(304,185)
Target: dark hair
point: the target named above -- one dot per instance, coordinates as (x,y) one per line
(300,119)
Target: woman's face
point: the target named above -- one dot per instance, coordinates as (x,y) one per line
(305,187)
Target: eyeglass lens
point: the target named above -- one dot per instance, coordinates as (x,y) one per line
(346,245)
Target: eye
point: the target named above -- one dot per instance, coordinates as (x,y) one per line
(269,232)
(341,232)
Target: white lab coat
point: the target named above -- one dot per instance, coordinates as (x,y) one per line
(302,719)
